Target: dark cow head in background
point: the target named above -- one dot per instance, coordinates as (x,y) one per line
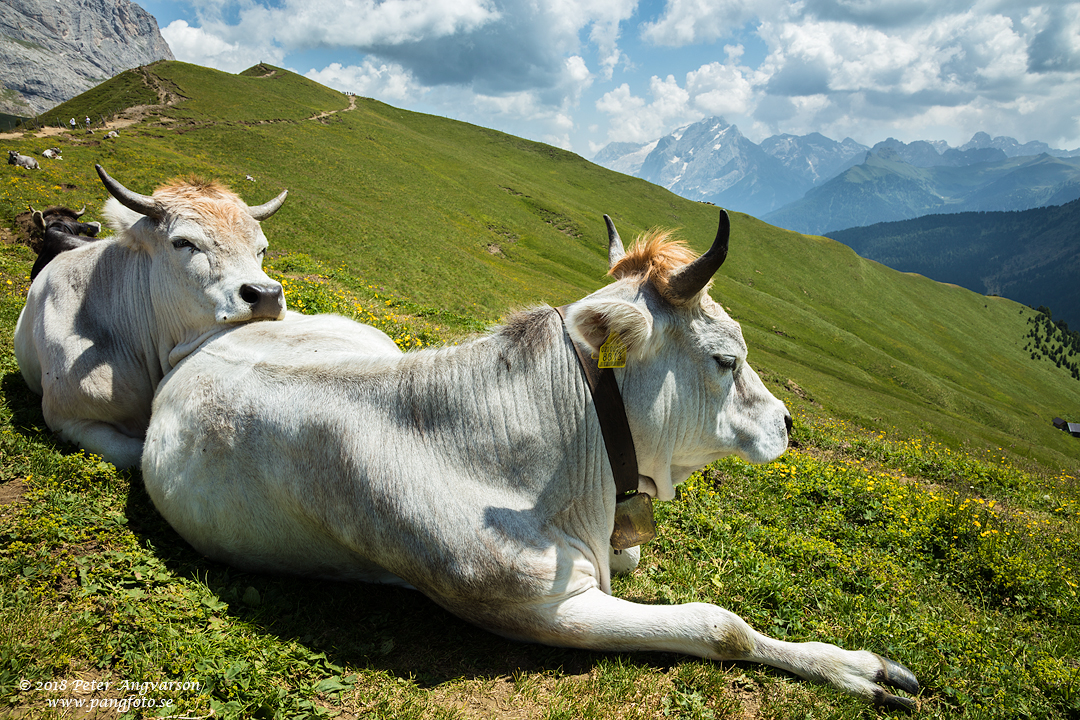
(60,230)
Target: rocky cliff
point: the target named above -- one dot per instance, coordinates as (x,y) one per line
(53,50)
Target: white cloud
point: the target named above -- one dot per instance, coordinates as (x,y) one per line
(578,71)
(363,23)
(619,101)
(632,119)
(686,22)
(495,46)
(724,89)
(197,46)
(972,65)
(387,82)
(556,69)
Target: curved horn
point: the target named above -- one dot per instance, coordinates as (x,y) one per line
(142,204)
(615,251)
(261,212)
(82,212)
(687,281)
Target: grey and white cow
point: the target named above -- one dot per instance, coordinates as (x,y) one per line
(24,161)
(104,322)
(478,473)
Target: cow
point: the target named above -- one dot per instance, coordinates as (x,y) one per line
(60,231)
(23,161)
(479,473)
(103,323)
(53,153)
(109,135)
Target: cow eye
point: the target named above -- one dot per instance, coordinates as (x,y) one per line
(180,243)
(725,363)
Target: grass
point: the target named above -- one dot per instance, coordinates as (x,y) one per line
(960,565)
(977,596)
(928,511)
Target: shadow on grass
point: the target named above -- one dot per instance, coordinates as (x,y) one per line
(361,625)
(357,625)
(25,407)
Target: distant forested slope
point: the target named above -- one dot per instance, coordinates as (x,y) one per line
(885,188)
(1031,256)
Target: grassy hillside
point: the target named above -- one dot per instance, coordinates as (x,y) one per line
(473,221)
(923,424)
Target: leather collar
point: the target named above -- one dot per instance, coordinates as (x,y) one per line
(611,413)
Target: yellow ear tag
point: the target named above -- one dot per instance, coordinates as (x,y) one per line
(612,352)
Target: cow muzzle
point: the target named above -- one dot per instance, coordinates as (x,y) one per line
(267,301)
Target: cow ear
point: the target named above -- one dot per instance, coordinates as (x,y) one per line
(592,320)
(39,220)
(122,220)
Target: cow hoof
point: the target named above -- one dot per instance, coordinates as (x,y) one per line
(889,701)
(896,675)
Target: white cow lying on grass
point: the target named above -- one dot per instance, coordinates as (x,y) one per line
(478,473)
(104,323)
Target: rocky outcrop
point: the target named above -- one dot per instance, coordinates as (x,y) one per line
(53,50)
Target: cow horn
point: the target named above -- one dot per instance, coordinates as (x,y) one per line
(615,251)
(81,212)
(142,204)
(687,281)
(38,217)
(261,212)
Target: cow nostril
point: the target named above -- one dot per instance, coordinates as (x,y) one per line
(266,301)
(251,294)
(788,423)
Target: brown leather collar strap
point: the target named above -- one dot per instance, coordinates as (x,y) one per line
(611,413)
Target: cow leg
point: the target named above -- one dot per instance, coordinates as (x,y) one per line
(598,621)
(103,439)
(623,561)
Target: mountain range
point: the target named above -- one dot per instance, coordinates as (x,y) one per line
(886,188)
(711,161)
(813,184)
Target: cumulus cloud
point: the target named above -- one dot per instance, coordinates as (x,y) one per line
(387,81)
(912,65)
(884,14)
(363,23)
(1056,45)
(724,89)
(461,58)
(633,119)
(840,67)
(685,22)
(495,46)
(200,47)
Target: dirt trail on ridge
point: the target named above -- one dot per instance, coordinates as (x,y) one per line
(138,113)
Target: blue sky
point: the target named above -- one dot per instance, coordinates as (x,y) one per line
(582,73)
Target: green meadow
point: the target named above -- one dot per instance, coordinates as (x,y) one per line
(927,510)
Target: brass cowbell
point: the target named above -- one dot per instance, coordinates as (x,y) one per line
(634,523)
